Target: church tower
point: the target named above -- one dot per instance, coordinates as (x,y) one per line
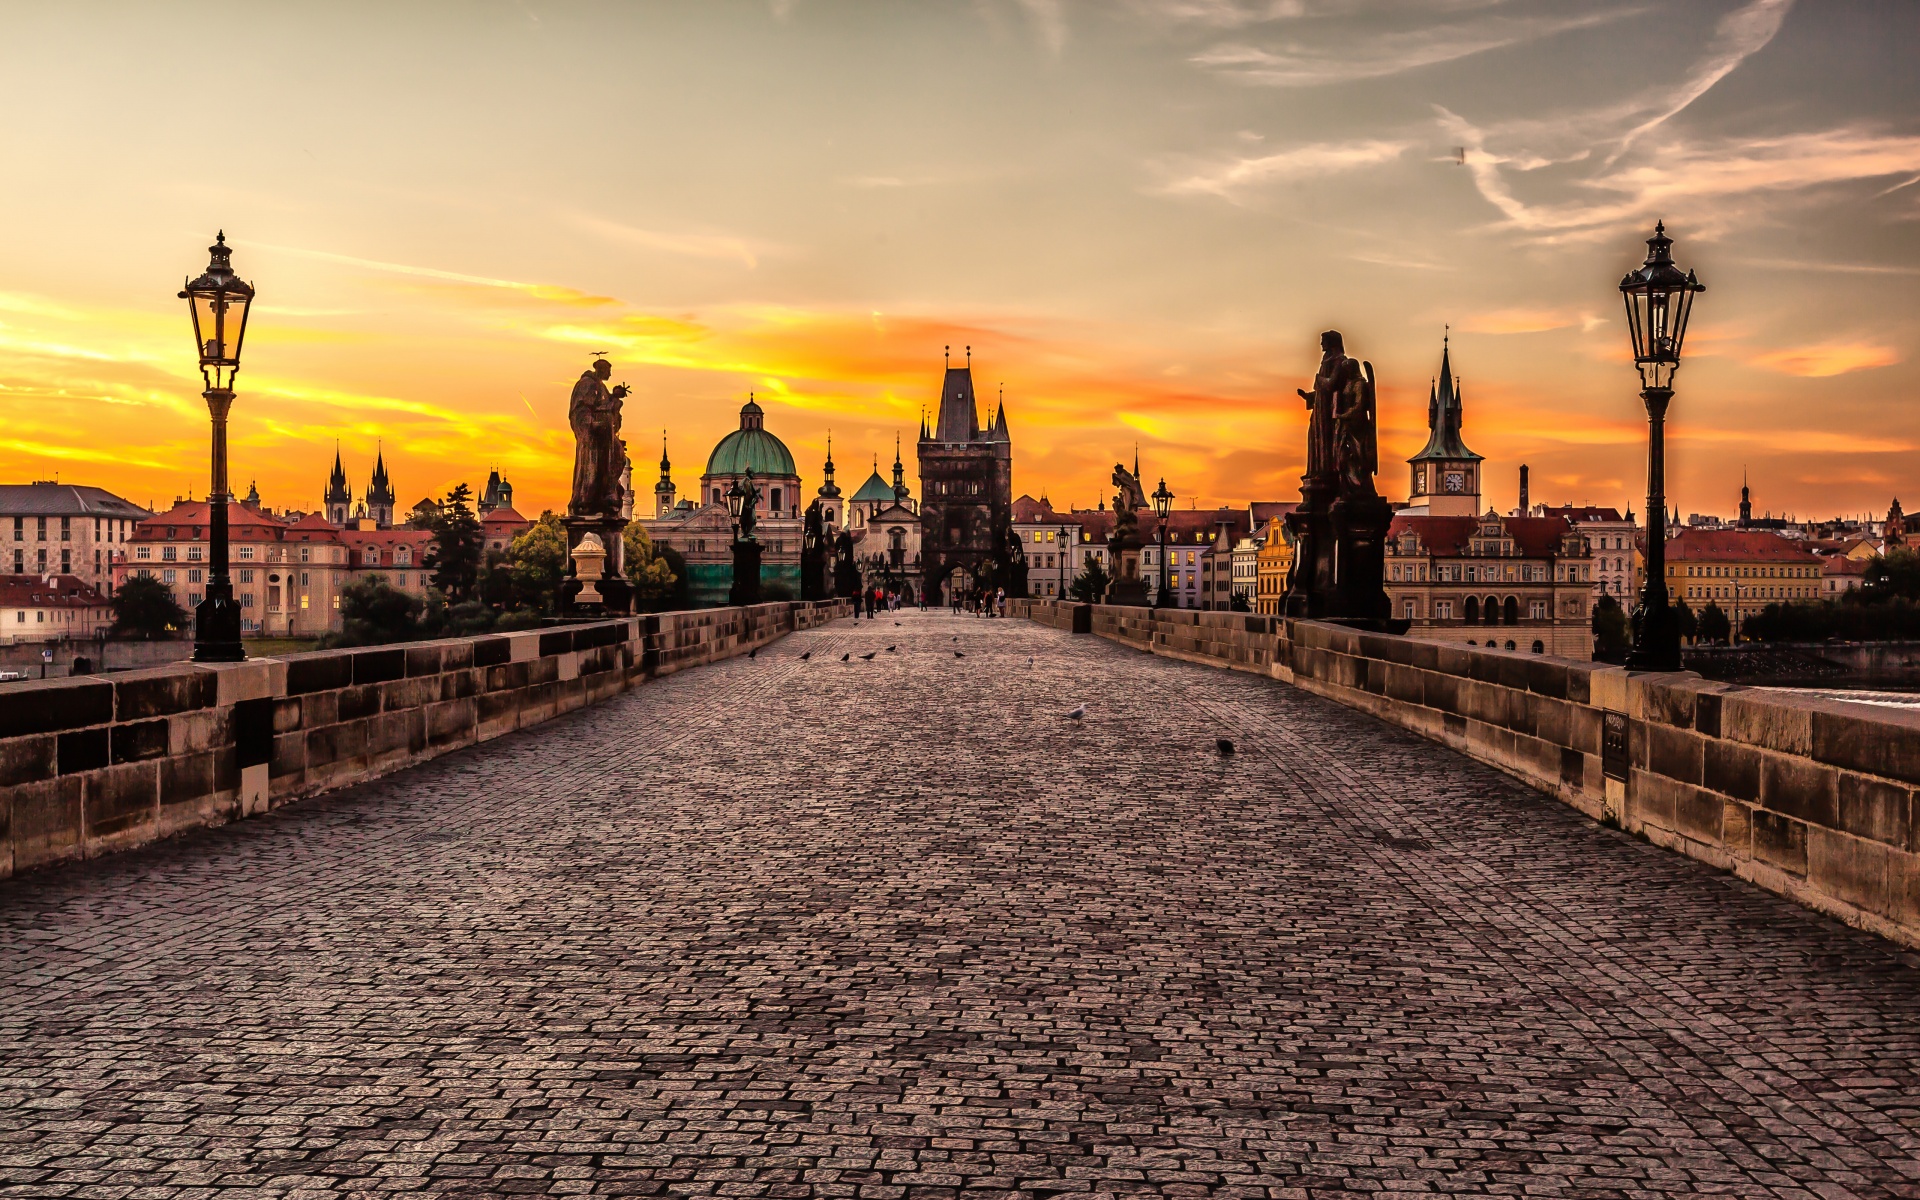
(966,490)
(829,499)
(380,497)
(1746,502)
(1446,475)
(337,500)
(663,492)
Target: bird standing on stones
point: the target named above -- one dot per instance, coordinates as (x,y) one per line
(1077,713)
(754,653)
(891,650)
(806,656)
(846,656)
(1223,745)
(868,656)
(959,653)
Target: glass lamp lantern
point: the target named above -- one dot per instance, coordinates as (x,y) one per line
(218,302)
(1162,500)
(1659,300)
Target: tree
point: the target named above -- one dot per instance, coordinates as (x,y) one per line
(1683,620)
(144,607)
(653,577)
(1090,585)
(1612,632)
(1239,603)
(1715,629)
(536,563)
(373,611)
(1896,574)
(457,542)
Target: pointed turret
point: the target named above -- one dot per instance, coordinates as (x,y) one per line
(899,473)
(663,491)
(828,488)
(1446,475)
(959,420)
(380,496)
(1746,501)
(337,500)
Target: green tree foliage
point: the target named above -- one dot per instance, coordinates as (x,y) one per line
(457,542)
(1684,619)
(536,563)
(1714,628)
(373,611)
(1890,577)
(1090,585)
(144,608)
(655,581)
(1827,620)
(1612,632)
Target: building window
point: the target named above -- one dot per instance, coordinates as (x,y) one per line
(1407,610)
(1536,610)
(1443,610)
(246,600)
(246,576)
(40,529)
(403,556)
(403,579)
(167,576)
(243,552)
(194,576)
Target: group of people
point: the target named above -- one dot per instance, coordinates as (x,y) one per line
(877,600)
(979,602)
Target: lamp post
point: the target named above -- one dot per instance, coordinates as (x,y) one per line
(1162,505)
(1659,299)
(1066,548)
(218,303)
(741,495)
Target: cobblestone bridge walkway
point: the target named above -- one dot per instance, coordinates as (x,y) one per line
(897,929)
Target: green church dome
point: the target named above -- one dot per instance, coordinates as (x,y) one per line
(875,488)
(751,447)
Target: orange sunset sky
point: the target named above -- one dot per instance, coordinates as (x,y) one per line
(1139,213)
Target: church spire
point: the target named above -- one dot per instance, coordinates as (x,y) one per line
(665,466)
(899,472)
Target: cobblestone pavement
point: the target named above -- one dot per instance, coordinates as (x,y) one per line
(898,929)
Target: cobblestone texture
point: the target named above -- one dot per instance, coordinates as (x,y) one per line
(896,929)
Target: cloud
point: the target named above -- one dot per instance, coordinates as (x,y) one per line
(1049,21)
(1827,359)
(548,292)
(1519,320)
(1309,62)
(1323,158)
(687,245)
(1739,35)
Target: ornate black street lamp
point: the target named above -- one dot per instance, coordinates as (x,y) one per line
(1162,505)
(742,498)
(218,302)
(1066,548)
(1659,300)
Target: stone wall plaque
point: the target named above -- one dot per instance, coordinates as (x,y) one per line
(1613,746)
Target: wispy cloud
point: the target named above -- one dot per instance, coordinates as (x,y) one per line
(1828,358)
(542,291)
(1049,21)
(1322,158)
(687,245)
(1740,34)
(1301,61)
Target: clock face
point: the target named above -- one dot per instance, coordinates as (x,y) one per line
(1455,481)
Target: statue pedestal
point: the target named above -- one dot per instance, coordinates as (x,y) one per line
(1339,561)
(1128,586)
(746,574)
(610,594)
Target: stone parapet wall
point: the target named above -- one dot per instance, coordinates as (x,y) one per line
(92,765)
(1808,797)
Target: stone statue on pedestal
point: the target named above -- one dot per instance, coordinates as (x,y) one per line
(597,513)
(1340,527)
(1128,584)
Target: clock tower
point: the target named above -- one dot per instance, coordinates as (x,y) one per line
(1446,475)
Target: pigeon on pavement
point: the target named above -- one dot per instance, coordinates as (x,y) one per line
(868,656)
(891,650)
(1077,713)
(846,656)
(806,656)
(754,653)
(1223,745)
(959,653)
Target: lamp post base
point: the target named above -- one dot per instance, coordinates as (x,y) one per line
(216,628)
(1656,639)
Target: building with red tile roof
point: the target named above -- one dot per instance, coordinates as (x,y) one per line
(1515,583)
(51,608)
(1741,570)
(501,525)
